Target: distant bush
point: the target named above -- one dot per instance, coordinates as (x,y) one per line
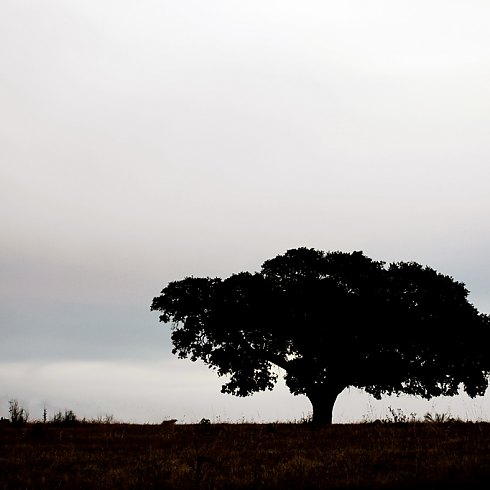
(18,414)
(102,420)
(68,418)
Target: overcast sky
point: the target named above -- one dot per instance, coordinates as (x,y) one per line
(143,141)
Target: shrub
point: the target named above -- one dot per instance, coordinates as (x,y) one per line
(68,418)
(18,414)
(438,418)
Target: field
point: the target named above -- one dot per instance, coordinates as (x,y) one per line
(422,455)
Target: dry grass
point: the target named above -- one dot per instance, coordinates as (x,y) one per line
(246,456)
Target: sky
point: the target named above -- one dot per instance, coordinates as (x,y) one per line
(145,141)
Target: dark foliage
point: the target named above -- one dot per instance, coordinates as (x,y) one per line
(332,320)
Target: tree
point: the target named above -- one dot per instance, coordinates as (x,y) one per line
(331,320)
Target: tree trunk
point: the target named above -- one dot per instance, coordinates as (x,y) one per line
(322,401)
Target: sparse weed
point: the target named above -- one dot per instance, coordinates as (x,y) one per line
(397,416)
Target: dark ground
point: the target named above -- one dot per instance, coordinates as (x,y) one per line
(418,455)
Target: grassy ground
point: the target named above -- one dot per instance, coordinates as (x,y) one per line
(246,456)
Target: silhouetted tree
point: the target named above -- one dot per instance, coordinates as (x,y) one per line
(332,320)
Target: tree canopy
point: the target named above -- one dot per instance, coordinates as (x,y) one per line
(332,320)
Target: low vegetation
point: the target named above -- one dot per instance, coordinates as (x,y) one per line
(397,452)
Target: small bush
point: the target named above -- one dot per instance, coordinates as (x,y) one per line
(438,418)
(18,414)
(68,418)
(102,420)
